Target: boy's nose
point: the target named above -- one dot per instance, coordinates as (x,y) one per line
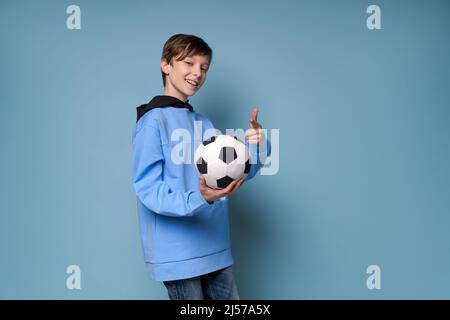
(196,71)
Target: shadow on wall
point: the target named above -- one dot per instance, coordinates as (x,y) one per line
(250,240)
(270,248)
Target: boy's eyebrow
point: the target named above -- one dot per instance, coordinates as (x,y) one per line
(203,64)
(188,57)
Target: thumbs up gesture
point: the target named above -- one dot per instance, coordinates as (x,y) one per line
(254,134)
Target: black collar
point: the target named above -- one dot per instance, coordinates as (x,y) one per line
(161,102)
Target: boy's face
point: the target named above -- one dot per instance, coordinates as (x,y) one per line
(185,77)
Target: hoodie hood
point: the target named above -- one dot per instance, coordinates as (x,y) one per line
(162,102)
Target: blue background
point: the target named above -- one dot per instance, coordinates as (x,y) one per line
(364,144)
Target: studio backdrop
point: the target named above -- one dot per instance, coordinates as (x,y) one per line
(354,202)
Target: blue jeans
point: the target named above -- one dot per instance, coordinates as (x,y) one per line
(217,285)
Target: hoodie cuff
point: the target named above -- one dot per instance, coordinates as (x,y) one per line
(258,149)
(198,201)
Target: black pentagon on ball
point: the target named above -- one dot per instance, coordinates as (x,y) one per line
(247,166)
(202,166)
(228,154)
(210,140)
(224,182)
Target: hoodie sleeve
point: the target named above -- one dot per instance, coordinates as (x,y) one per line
(258,154)
(149,186)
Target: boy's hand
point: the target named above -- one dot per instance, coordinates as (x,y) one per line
(212,194)
(254,134)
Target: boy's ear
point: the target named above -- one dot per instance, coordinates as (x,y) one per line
(164,66)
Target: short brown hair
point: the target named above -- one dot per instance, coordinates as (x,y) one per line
(180,46)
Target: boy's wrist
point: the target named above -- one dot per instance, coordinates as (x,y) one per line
(207,200)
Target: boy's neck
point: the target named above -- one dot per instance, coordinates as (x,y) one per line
(179,96)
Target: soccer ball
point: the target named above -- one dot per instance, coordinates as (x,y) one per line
(221,160)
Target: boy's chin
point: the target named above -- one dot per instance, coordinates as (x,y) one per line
(191,93)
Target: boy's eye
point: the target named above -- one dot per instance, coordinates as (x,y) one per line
(189,63)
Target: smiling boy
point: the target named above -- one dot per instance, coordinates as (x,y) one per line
(184,223)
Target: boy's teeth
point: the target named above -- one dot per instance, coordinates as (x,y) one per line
(192,82)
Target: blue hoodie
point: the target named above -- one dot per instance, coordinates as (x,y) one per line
(182,235)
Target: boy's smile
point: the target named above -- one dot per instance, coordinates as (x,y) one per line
(185,77)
